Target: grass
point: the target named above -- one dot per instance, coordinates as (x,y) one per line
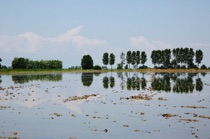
(14,71)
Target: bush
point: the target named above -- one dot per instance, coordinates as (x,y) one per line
(126,67)
(143,67)
(119,66)
(203,67)
(97,67)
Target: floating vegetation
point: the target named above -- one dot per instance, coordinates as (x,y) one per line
(139,97)
(125,125)
(167,115)
(194,107)
(57,114)
(74,98)
(162,99)
(188,120)
(3,107)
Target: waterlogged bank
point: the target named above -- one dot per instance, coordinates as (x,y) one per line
(105,105)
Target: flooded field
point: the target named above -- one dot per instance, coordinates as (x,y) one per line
(105,105)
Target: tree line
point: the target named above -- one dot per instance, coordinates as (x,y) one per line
(132,58)
(176,58)
(25,63)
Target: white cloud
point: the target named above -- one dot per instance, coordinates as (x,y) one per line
(140,42)
(30,42)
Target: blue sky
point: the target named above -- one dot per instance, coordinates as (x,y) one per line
(68,29)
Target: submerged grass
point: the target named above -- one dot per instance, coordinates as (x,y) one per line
(24,71)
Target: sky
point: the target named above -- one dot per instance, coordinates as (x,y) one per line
(68,29)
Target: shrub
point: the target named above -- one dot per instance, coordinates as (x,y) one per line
(119,66)
(97,67)
(143,67)
(203,67)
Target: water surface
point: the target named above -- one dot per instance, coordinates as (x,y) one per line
(105,105)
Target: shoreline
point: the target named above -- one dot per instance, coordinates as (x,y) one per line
(11,71)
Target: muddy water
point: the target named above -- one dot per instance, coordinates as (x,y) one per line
(105,105)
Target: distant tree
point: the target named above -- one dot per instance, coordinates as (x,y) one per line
(128,58)
(166,57)
(133,58)
(122,57)
(138,58)
(189,57)
(143,57)
(112,59)
(105,59)
(20,63)
(154,57)
(198,56)
(87,62)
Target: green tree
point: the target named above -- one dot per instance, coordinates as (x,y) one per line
(20,63)
(106,59)
(143,58)
(112,60)
(122,57)
(154,57)
(0,62)
(128,58)
(166,57)
(87,62)
(138,58)
(190,56)
(133,58)
(198,56)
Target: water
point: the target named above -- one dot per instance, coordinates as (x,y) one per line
(105,105)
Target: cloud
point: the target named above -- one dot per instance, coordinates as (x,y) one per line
(145,44)
(30,42)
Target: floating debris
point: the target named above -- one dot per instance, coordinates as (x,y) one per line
(57,114)
(189,120)
(139,97)
(167,115)
(74,98)
(4,107)
(194,107)
(162,99)
(205,117)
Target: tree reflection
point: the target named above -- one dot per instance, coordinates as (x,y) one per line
(87,79)
(108,81)
(21,79)
(112,81)
(168,82)
(143,83)
(182,82)
(199,84)
(183,85)
(160,84)
(134,83)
